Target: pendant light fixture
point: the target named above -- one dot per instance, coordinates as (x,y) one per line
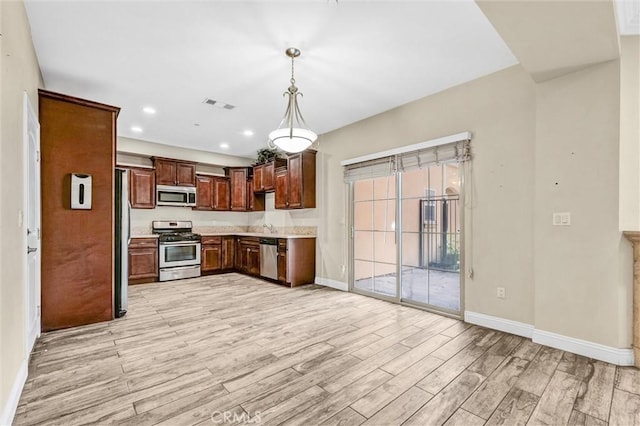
(293,134)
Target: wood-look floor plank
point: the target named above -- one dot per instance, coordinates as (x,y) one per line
(489,395)
(298,403)
(381,396)
(594,394)
(515,409)
(401,408)
(346,417)
(537,375)
(443,375)
(344,378)
(581,419)
(628,379)
(339,400)
(464,418)
(556,403)
(445,403)
(625,408)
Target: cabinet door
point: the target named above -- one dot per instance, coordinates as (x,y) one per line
(221,196)
(250,195)
(204,193)
(142,188)
(258,178)
(165,172)
(228,252)
(282,265)
(185,174)
(253,261)
(238,178)
(268,177)
(211,256)
(295,181)
(143,263)
(282,189)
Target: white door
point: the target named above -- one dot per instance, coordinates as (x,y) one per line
(32,221)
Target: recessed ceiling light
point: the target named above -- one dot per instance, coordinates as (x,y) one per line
(136,129)
(224,145)
(248,133)
(149,110)
(196,124)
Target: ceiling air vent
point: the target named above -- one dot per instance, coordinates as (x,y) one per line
(218,104)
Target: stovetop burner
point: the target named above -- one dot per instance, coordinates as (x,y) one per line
(170,237)
(174,231)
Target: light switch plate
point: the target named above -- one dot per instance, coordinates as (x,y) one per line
(562,219)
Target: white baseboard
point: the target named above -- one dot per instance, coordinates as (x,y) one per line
(338,285)
(593,350)
(11,404)
(496,323)
(585,348)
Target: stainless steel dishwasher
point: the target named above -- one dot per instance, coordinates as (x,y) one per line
(269,258)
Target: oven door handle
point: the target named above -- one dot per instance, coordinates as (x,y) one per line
(180,243)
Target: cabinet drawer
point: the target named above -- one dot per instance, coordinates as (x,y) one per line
(212,240)
(143,243)
(282,244)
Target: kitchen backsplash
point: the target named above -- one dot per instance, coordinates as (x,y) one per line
(300,222)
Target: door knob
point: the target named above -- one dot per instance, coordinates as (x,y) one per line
(31,249)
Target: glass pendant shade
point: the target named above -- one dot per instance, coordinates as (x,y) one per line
(293,134)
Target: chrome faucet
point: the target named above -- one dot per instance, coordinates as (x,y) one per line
(271,228)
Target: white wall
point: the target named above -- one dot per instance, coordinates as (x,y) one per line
(19,72)
(582,272)
(630,133)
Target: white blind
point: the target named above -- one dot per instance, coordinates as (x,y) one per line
(456,151)
(379,167)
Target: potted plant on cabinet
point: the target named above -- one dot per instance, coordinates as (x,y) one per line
(266,155)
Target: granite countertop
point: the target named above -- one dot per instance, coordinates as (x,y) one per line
(145,236)
(255,234)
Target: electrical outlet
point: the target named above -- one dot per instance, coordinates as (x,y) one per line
(500,293)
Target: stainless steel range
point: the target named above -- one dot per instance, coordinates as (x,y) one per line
(179,249)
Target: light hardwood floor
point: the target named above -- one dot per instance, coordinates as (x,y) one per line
(229,348)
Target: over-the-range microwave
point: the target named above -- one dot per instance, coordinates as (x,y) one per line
(179,196)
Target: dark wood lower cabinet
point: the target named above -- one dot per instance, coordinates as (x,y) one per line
(296,261)
(248,255)
(143,260)
(217,254)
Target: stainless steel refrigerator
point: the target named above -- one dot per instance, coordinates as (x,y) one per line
(122,238)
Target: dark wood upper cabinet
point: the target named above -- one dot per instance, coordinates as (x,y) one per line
(221,194)
(212,193)
(282,188)
(142,188)
(238,182)
(204,193)
(255,201)
(264,175)
(302,180)
(298,189)
(258,174)
(174,172)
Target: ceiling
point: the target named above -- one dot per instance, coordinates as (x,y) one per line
(358,59)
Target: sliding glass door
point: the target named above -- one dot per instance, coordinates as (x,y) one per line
(374,236)
(406,227)
(430,255)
